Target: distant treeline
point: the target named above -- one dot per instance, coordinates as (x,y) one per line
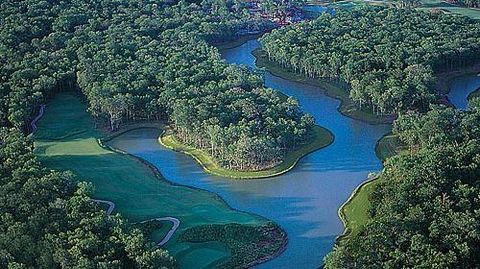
(466,3)
(388,56)
(426,211)
(147,60)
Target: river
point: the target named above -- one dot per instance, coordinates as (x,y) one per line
(303,201)
(460,89)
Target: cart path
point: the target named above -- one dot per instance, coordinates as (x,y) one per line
(166,238)
(33,124)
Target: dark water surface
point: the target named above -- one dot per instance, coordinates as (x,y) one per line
(304,201)
(460,88)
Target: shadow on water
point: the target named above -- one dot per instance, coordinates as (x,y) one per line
(304,201)
(460,89)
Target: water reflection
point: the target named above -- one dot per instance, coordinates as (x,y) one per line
(304,201)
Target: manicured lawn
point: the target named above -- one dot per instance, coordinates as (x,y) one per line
(332,89)
(66,140)
(355,212)
(450,8)
(425,5)
(322,138)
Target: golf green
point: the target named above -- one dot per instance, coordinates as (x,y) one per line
(67,140)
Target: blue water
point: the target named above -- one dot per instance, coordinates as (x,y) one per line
(319,9)
(304,201)
(460,88)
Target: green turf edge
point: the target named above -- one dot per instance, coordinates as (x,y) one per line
(354,212)
(332,89)
(322,138)
(157,125)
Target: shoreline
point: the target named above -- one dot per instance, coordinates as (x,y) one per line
(329,88)
(236,42)
(341,211)
(441,83)
(443,80)
(157,174)
(322,138)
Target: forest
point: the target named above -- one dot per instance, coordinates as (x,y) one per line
(426,210)
(49,221)
(133,61)
(143,60)
(389,57)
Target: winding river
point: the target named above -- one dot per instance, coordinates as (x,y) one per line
(303,201)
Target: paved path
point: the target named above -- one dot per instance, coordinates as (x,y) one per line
(170,233)
(33,124)
(111,205)
(166,238)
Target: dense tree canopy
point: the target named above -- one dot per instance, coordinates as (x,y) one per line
(133,60)
(49,221)
(388,56)
(426,211)
(145,60)
(466,3)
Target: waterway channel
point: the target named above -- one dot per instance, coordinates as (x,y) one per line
(303,201)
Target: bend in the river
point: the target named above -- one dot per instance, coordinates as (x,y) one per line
(304,201)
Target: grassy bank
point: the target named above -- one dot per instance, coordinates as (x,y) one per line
(66,140)
(321,138)
(331,88)
(354,213)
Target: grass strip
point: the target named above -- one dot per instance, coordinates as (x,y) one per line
(321,138)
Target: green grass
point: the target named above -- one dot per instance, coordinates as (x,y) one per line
(332,89)
(321,138)
(66,140)
(355,212)
(425,5)
(450,8)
